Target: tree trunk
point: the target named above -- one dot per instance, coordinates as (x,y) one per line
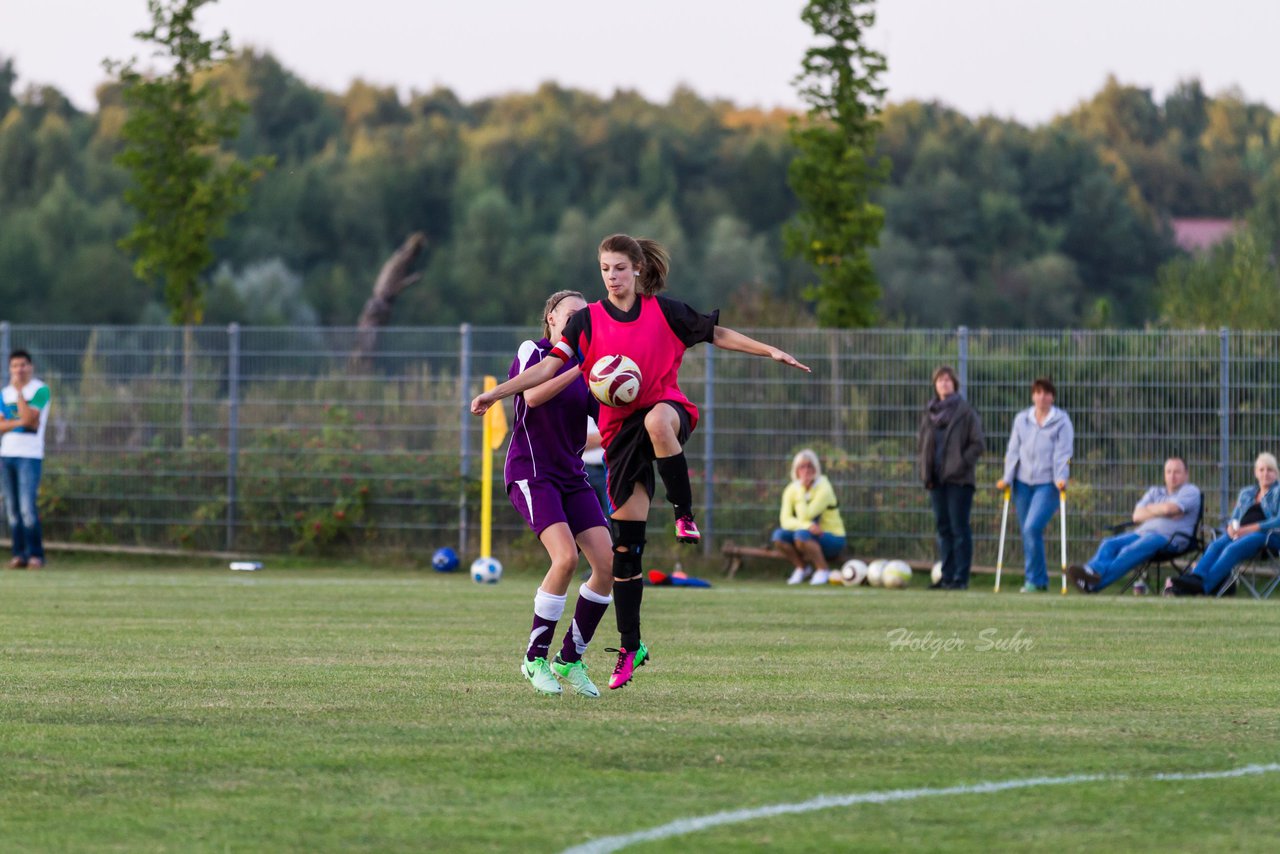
(392,279)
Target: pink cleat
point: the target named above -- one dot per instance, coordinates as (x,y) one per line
(627,664)
(687,530)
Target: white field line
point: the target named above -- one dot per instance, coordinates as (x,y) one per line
(683,826)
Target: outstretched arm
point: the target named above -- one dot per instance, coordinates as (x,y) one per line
(727,339)
(539,395)
(527,379)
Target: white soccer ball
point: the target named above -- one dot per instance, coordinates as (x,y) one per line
(853,573)
(614,380)
(875,572)
(486,570)
(897,574)
(935,574)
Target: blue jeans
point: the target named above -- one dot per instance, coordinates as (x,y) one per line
(830,543)
(1036,506)
(1222,555)
(1116,556)
(20,483)
(951,505)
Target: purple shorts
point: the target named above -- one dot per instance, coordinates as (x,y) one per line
(543,504)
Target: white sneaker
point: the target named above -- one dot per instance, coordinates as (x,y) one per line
(798,575)
(822,576)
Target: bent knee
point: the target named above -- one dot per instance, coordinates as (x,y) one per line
(564,565)
(661,421)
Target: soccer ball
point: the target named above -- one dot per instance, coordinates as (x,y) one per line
(853,573)
(875,572)
(444,560)
(935,574)
(897,574)
(486,570)
(615,380)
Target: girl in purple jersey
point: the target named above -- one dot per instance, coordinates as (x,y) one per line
(547,484)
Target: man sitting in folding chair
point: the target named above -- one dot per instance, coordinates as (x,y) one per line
(1166,518)
(1255,519)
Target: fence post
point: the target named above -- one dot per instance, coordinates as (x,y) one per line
(464,466)
(5,346)
(708,424)
(962,366)
(233,427)
(1224,422)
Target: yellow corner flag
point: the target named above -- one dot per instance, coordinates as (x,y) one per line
(495,420)
(495,431)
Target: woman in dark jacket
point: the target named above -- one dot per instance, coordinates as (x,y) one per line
(949,444)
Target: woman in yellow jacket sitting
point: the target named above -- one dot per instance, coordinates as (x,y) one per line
(812,531)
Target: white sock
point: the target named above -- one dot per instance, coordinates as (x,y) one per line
(591,596)
(548,606)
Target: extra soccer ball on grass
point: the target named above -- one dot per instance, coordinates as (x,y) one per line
(935,575)
(614,380)
(875,572)
(853,573)
(444,560)
(897,574)
(486,570)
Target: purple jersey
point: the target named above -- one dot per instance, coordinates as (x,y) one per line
(547,440)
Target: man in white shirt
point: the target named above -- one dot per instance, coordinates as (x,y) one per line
(26,412)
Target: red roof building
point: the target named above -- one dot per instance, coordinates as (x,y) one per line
(1201,234)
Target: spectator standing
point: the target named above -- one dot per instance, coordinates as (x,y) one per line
(26,412)
(1037,464)
(949,443)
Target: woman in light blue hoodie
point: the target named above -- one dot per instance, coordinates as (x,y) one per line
(1037,464)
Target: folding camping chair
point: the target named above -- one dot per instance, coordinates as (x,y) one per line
(1181,552)
(1261,570)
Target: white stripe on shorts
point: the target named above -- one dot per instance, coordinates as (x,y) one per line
(528,499)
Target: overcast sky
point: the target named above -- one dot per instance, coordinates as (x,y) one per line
(1025,59)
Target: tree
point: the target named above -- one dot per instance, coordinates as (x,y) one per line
(184,188)
(834,170)
(8,76)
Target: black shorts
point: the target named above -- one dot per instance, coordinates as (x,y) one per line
(630,455)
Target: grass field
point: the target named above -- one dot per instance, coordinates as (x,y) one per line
(168,708)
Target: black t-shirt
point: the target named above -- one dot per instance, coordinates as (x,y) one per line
(690,326)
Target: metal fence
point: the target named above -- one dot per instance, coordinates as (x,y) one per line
(275,439)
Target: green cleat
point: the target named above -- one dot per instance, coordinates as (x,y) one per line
(575,673)
(540,676)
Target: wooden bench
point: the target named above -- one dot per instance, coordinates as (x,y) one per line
(734,555)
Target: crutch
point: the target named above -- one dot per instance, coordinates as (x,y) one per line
(1004,526)
(1062,516)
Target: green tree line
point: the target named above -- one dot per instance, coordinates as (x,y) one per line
(988,222)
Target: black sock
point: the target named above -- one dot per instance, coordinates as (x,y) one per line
(626,608)
(674,472)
